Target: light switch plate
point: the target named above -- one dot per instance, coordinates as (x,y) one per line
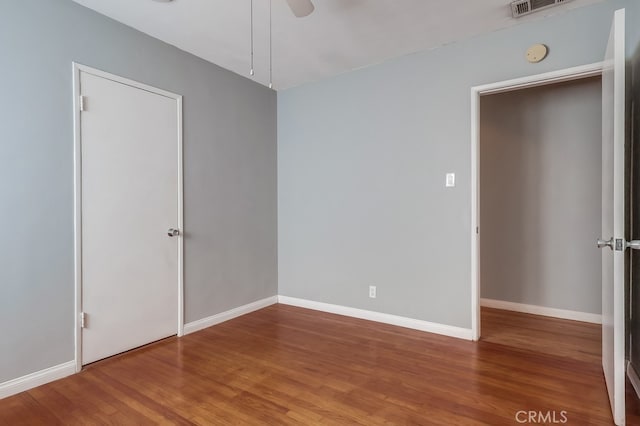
(450,180)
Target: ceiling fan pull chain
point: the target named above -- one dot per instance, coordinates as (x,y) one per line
(251,72)
(270,47)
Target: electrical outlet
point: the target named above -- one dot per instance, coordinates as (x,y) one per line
(372,291)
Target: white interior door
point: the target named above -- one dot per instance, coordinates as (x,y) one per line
(129,200)
(613,210)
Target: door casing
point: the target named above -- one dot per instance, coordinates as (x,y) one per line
(568,74)
(77,196)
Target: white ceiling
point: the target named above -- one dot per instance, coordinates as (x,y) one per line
(339,36)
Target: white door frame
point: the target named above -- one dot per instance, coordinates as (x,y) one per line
(77,196)
(559,76)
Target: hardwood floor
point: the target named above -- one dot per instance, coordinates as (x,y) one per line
(286,365)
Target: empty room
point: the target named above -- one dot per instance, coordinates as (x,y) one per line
(264,212)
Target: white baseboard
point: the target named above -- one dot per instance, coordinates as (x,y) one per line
(633,378)
(542,310)
(42,377)
(431,327)
(200,324)
(38,378)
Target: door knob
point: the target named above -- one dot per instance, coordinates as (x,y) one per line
(173,232)
(633,244)
(605,243)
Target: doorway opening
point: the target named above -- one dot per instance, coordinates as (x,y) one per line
(520,163)
(540,180)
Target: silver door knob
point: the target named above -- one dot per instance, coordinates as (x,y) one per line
(173,232)
(605,243)
(633,244)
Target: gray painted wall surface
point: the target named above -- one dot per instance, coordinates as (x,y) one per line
(230,173)
(540,196)
(362,159)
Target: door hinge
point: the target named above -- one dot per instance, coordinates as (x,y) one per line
(82,103)
(83,320)
(477,229)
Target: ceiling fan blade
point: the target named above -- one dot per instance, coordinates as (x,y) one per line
(301,8)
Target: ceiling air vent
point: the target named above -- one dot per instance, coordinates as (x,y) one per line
(525,7)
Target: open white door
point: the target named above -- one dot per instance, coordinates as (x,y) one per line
(613,210)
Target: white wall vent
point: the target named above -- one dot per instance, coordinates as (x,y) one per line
(525,7)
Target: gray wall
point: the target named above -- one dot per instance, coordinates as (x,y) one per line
(362,159)
(540,196)
(230,173)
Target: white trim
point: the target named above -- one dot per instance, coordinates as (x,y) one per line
(633,378)
(553,77)
(475,216)
(124,80)
(180,220)
(559,76)
(430,327)
(38,378)
(77,196)
(542,310)
(77,219)
(200,324)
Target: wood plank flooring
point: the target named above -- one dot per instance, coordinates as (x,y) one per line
(286,365)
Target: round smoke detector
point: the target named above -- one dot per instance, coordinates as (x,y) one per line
(537,53)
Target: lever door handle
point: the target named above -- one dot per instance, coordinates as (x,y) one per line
(605,243)
(173,232)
